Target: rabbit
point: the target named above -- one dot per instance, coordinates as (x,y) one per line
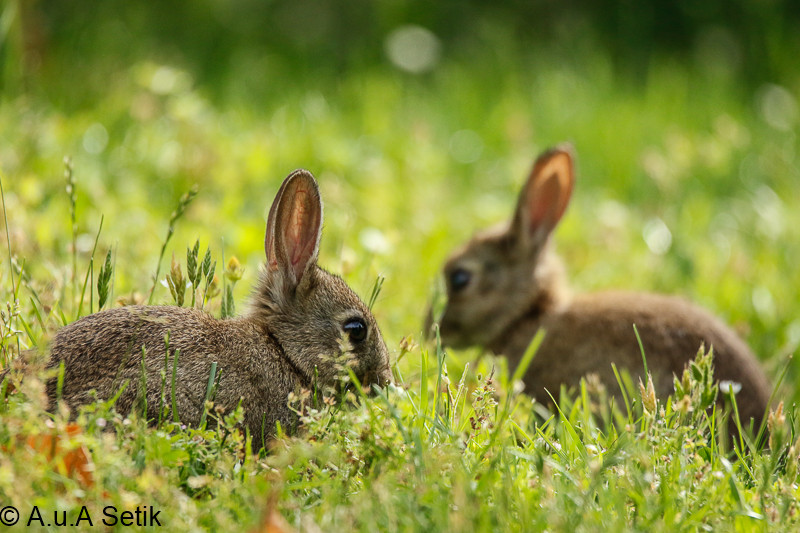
(301,317)
(507,282)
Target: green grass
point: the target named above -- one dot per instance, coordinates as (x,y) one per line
(682,151)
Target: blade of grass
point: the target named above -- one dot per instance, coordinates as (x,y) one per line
(624,394)
(460,396)
(143,384)
(210,269)
(641,348)
(8,236)
(37,313)
(163,379)
(737,420)
(527,357)
(174,386)
(744,465)
(62,316)
(578,444)
(103,278)
(91,284)
(192,268)
(439,369)
(71,192)
(522,432)
(14,288)
(183,203)
(119,392)
(376,290)
(91,265)
(423,390)
(553,447)
(763,428)
(28,330)
(211,376)
(60,380)
(24,279)
(520,371)
(4,390)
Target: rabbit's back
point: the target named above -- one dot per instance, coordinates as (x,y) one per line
(103,351)
(593,330)
(98,347)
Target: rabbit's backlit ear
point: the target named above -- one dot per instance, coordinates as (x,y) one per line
(545,196)
(269,238)
(295,222)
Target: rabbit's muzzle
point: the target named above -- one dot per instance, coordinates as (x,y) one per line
(380,378)
(452,333)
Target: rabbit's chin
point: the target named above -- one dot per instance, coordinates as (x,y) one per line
(457,337)
(369,383)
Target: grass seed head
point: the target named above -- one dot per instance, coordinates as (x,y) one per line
(234,270)
(648,395)
(776,423)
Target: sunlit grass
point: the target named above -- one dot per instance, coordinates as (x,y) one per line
(683,187)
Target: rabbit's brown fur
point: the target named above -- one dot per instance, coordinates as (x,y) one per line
(507,282)
(295,325)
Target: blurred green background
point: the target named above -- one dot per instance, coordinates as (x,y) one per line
(420,120)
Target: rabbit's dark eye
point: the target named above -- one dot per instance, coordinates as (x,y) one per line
(459,278)
(356,329)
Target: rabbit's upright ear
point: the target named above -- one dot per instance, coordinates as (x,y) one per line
(294,227)
(544,197)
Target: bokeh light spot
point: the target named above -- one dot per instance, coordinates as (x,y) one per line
(95,139)
(413,49)
(373,240)
(657,236)
(777,106)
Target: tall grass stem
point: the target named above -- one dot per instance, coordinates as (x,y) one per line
(176,215)
(175,417)
(8,237)
(211,376)
(89,271)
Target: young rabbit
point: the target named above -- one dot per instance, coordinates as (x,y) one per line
(300,320)
(507,282)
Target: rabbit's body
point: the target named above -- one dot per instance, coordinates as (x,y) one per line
(506,283)
(584,335)
(103,351)
(303,326)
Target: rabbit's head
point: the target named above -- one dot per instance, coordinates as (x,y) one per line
(508,272)
(319,322)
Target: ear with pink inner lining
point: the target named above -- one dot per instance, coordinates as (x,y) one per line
(294,227)
(544,197)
